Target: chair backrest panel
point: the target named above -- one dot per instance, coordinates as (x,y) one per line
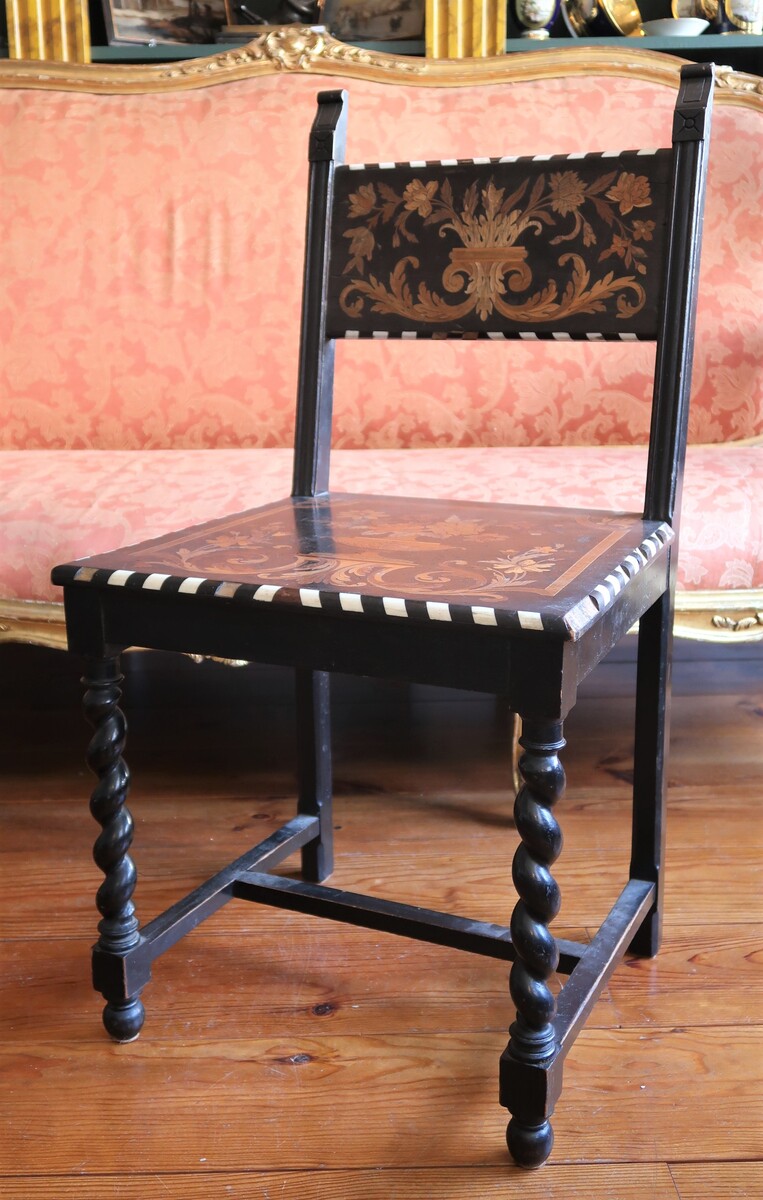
(598,245)
(565,246)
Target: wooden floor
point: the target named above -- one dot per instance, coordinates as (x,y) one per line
(289,1058)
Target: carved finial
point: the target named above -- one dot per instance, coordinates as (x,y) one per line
(692,113)
(327,136)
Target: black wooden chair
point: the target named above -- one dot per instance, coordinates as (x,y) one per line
(519,601)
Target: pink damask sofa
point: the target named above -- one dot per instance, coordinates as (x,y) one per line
(149,306)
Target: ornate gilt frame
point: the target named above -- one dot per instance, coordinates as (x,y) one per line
(465,28)
(48,29)
(734,615)
(310,49)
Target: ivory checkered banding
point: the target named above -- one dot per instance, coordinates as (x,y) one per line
(422,164)
(504,335)
(582,613)
(604,593)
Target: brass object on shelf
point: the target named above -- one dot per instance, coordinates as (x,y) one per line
(578,15)
(623,16)
(465,28)
(706,10)
(48,30)
(602,18)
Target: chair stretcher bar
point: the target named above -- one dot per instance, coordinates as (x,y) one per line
(589,967)
(607,947)
(388,916)
(242,879)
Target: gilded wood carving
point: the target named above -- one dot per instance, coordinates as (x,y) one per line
(300,48)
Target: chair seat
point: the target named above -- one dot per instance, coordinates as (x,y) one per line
(512,566)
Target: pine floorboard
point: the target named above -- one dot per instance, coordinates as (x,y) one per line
(287,1057)
(605,1182)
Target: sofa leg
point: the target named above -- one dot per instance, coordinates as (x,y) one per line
(118,928)
(313,702)
(530,1077)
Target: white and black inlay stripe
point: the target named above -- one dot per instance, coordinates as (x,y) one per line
(580,616)
(606,591)
(422,164)
(349,602)
(479,334)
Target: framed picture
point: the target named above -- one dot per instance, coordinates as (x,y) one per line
(374,20)
(155,21)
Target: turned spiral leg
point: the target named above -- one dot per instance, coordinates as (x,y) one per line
(118,927)
(537,957)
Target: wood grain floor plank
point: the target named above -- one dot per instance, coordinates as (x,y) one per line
(597,818)
(273,1104)
(721,1181)
(595,1182)
(703,975)
(299,975)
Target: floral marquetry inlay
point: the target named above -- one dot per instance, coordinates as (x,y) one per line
(572,244)
(424,550)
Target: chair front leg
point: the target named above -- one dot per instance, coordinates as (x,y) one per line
(118,929)
(529,1089)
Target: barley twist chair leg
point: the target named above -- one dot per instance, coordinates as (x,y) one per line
(532,1041)
(118,928)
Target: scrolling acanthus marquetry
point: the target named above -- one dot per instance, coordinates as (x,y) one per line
(488,264)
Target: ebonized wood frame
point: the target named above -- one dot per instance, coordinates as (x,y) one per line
(537,671)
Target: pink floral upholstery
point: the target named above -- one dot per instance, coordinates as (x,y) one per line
(150,283)
(104,500)
(149,308)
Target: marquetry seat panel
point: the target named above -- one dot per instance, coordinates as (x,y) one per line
(564,246)
(486,565)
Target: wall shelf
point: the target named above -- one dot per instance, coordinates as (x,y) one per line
(166,52)
(744,52)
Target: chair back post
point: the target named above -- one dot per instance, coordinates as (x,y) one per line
(312,444)
(675,347)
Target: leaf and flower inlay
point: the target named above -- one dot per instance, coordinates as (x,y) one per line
(545,247)
(379,546)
